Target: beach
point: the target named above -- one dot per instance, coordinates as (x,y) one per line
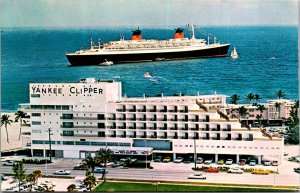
(13,135)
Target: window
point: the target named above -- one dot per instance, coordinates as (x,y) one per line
(35,114)
(82,143)
(36,123)
(101,134)
(35,95)
(68,133)
(68,142)
(37,142)
(36,131)
(67,125)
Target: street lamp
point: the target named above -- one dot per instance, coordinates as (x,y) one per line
(49,130)
(195,153)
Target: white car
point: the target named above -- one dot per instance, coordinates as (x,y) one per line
(235,170)
(207,162)
(62,172)
(197,176)
(229,162)
(9,163)
(81,188)
(178,160)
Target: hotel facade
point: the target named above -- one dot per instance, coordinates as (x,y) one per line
(80,118)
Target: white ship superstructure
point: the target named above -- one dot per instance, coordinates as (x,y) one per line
(90,114)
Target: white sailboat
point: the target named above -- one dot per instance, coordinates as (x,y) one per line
(234,54)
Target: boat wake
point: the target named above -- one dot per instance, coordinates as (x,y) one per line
(272,58)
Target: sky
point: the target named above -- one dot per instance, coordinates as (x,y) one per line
(96,13)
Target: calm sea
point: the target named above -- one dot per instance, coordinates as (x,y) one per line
(268,61)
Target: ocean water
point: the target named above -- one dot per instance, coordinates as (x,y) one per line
(268,62)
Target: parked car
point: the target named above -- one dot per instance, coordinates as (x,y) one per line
(81,188)
(260,171)
(100,170)
(213,170)
(3,178)
(188,159)
(197,176)
(275,163)
(242,162)
(252,162)
(235,170)
(178,160)
(199,160)
(207,162)
(9,163)
(158,159)
(221,162)
(167,159)
(62,172)
(297,170)
(229,162)
(267,163)
(117,164)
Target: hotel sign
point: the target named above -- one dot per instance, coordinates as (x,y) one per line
(72,90)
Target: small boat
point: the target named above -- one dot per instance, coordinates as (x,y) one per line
(106,63)
(159,59)
(234,54)
(147,75)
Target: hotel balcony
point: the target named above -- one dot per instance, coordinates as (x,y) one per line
(194,129)
(110,127)
(238,139)
(183,137)
(121,119)
(151,110)
(152,128)
(226,129)
(205,138)
(173,128)
(194,120)
(162,110)
(111,118)
(141,119)
(173,111)
(151,119)
(80,135)
(121,110)
(141,110)
(204,129)
(87,118)
(121,136)
(131,136)
(162,137)
(193,137)
(140,127)
(131,127)
(84,126)
(247,139)
(112,136)
(183,128)
(226,138)
(131,110)
(153,136)
(142,136)
(215,138)
(162,128)
(120,127)
(131,119)
(215,129)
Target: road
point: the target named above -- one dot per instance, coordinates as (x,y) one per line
(172,171)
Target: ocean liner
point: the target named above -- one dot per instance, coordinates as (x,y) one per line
(140,50)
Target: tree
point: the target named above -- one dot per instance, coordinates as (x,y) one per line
(257,97)
(31,179)
(292,135)
(242,111)
(37,174)
(5,120)
(250,97)
(277,106)
(19,116)
(104,156)
(19,173)
(90,163)
(280,94)
(258,118)
(90,182)
(261,108)
(234,99)
(71,188)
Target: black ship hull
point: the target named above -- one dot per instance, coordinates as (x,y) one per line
(96,59)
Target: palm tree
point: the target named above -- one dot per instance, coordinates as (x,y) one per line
(104,156)
(261,108)
(19,116)
(71,188)
(31,179)
(292,135)
(37,174)
(234,99)
(90,163)
(242,111)
(5,120)
(258,118)
(277,106)
(280,94)
(90,182)
(257,97)
(250,97)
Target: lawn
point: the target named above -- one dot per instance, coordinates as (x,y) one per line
(146,187)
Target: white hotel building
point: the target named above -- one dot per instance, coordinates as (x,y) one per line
(90,114)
